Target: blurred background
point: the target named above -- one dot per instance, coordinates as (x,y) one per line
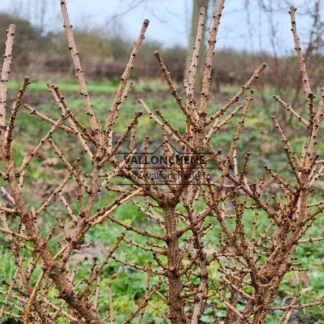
(251,31)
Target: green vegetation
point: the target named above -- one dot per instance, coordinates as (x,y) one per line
(72,86)
(129,284)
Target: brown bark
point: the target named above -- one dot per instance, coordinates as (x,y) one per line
(175,301)
(54,272)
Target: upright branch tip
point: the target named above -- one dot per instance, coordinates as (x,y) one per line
(202,11)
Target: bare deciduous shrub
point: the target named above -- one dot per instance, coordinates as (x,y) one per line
(243,274)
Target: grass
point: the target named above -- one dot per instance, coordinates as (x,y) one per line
(258,137)
(67,85)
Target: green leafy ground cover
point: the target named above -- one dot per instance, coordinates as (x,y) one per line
(258,137)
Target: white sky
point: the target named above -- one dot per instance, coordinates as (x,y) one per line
(170,20)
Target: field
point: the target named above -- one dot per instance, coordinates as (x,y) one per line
(258,138)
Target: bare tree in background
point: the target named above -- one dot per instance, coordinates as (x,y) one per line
(282,67)
(197,4)
(39,12)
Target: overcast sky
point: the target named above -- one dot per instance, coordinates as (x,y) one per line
(170,20)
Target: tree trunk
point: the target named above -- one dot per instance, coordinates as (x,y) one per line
(197,4)
(176,302)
